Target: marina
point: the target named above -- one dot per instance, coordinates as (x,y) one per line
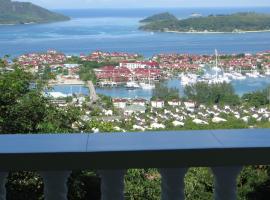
(241,86)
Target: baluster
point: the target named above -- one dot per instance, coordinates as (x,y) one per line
(55,184)
(112,184)
(226,182)
(3,180)
(173,183)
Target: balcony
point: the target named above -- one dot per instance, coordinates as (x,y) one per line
(56,155)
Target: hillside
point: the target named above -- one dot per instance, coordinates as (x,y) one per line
(12,12)
(159,17)
(238,22)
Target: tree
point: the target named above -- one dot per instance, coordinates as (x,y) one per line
(205,93)
(162,91)
(24,108)
(257,99)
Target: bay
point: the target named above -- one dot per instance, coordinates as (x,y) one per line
(117,30)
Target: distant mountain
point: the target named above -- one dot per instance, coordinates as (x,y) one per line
(238,22)
(12,12)
(159,17)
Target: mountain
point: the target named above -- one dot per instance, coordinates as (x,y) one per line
(12,12)
(159,17)
(238,22)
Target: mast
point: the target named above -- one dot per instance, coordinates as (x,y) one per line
(216,53)
(149,75)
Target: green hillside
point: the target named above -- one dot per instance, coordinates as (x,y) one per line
(159,17)
(12,12)
(213,23)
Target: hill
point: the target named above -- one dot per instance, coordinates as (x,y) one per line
(159,17)
(12,12)
(238,22)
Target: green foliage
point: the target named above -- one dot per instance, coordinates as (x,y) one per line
(209,94)
(142,184)
(21,12)
(199,184)
(159,17)
(213,23)
(162,91)
(24,108)
(257,99)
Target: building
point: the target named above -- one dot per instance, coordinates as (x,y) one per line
(129,110)
(120,103)
(157,104)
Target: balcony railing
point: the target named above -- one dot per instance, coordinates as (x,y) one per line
(55,156)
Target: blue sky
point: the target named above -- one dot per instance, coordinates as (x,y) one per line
(146,3)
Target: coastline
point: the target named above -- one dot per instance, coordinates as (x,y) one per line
(216,32)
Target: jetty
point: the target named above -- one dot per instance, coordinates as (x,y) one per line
(92,92)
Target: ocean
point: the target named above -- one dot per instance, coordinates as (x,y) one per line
(117,30)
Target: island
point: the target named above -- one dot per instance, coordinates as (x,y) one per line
(159,17)
(237,22)
(13,12)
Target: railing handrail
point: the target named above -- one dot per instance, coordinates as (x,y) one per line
(165,149)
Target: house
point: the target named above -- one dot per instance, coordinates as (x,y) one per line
(129,110)
(157,104)
(140,102)
(120,103)
(174,102)
(189,104)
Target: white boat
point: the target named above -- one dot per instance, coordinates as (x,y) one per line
(188,79)
(267,72)
(253,74)
(132,85)
(147,86)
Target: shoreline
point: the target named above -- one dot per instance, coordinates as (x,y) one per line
(217,32)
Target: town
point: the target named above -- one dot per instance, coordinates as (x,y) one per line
(132,71)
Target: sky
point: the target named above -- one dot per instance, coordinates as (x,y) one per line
(69,4)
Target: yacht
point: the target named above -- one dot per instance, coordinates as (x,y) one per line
(267,72)
(132,85)
(147,86)
(188,79)
(253,74)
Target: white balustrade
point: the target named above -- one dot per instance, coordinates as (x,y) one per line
(112,184)
(55,184)
(3,180)
(173,183)
(226,182)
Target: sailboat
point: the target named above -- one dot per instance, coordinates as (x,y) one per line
(132,84)
(149,85)
(218,78)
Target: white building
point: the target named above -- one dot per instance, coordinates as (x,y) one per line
(174,102)
(120,103)
(157,104)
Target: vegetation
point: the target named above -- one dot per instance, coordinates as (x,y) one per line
(159,17)
(212,23)
(21,13)
(163,92)
(258,98)
(24,109)
(204,93)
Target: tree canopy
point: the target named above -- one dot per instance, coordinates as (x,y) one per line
(209,94)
